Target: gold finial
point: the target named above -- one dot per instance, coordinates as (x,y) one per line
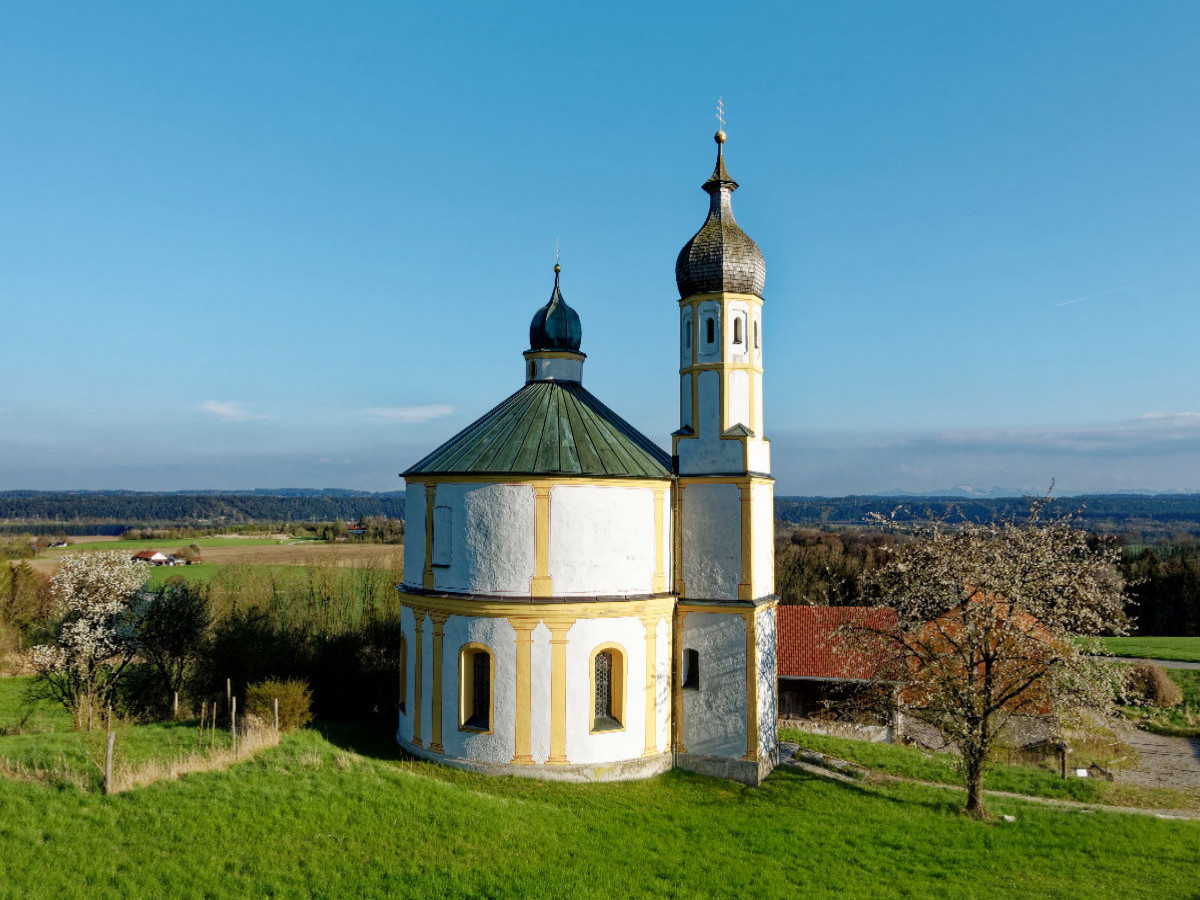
(719,137)
(557,267)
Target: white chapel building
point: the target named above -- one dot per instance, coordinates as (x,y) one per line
(579,604)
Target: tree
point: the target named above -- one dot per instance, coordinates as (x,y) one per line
(96,595)
(989,620)
(170,628)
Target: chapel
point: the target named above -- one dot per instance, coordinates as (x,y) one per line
(578,604)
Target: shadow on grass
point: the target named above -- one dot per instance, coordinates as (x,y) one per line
(374,740)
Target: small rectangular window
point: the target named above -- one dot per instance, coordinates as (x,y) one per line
(737,330)
(475,689)
(691,670)
(710,331)
(443,518)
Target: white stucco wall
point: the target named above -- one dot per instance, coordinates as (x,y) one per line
(763,518)
(767,682)
(602,540)
(758,455)
(493,538)
(539,721)
(500,638)
(405,726)
(739,398)
(414,534)
(714,716)
(759,428)
(607,746)
(738,353)
(662,674)
(426,677)
(712,542)
(555,369)
(685,401)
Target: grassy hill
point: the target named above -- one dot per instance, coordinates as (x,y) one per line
(339,815)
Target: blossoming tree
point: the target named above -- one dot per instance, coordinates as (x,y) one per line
(97,596)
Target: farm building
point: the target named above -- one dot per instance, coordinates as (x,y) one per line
(578,603)
(151,557)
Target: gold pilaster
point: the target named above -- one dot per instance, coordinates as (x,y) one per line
(751,684)
(677,682)
(558,690)
(650,622)
(427,576)
(659,585)
(541,585)
(746,585)
(435,726)
(522,737)
(418,628)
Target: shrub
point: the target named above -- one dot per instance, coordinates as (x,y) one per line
(1152,684)
(295,702)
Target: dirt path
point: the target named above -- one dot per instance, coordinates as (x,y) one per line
(1161,761)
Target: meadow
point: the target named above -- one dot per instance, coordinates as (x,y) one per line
(1184,649)
(338,813)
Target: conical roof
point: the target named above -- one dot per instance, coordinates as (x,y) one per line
(555,326)
(549,428)
(720,256)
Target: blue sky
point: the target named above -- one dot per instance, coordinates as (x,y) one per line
(299,244)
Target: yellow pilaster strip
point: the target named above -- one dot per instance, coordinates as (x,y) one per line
(427,577)
(651,624)
(558,690)
(541,585)
(659,584)
(746,585)
(751,685)
(435,726)
(419,617)
(677,682)
(522,737)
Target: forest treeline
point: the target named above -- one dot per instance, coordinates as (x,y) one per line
(1137,516)
(111,512)
(826,568)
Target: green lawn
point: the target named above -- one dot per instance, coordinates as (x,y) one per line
(1186,649)
(1177,721)
(312,818)
(1035,781)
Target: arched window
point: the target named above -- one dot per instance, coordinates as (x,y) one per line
(737,330)
(476,672)
(756,334)
(443,518)
(710,330)
(691,670)
(608,688)
(403,673)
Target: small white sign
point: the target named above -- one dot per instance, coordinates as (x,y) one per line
(1082,773)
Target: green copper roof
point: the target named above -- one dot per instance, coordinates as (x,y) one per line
(549,428)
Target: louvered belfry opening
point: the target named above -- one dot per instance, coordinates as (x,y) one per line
(604,718)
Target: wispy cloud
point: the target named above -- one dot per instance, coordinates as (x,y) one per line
(227,411)
(410,413)
(1093,296)
(1179,418)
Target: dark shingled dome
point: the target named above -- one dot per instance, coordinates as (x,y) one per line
(720,257)
(555,326)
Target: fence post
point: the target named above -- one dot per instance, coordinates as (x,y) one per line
(175,706)
(233,724)
(277,715)
(228,691)
(108,763)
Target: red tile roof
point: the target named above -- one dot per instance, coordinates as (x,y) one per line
(810,644)
(145,554)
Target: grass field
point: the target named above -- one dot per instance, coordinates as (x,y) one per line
(1178,721)
(314,818)
(339,814)
(164,544)
(1185,649)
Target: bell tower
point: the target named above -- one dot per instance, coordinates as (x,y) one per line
(724,502)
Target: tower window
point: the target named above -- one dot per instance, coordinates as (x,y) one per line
(687,335)
(443,518)
(530,376)
(475,688)
(608,689)
(756,335)
(737,330)
(691,670)
(710,331)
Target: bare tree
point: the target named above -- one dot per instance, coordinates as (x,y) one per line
(995,621)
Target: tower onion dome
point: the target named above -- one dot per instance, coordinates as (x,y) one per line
(720,257)
(555,326)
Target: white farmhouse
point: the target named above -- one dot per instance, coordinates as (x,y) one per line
(578,604)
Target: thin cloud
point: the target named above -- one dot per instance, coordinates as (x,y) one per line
(227,411)
(1181,418)
(1093,296)
(410,413)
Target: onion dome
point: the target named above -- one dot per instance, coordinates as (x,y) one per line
(555,326)
(720,257)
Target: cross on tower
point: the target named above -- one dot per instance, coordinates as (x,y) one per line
(721,112)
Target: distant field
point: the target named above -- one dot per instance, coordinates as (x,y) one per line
(250,551)
(1185,649)
(99,542)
